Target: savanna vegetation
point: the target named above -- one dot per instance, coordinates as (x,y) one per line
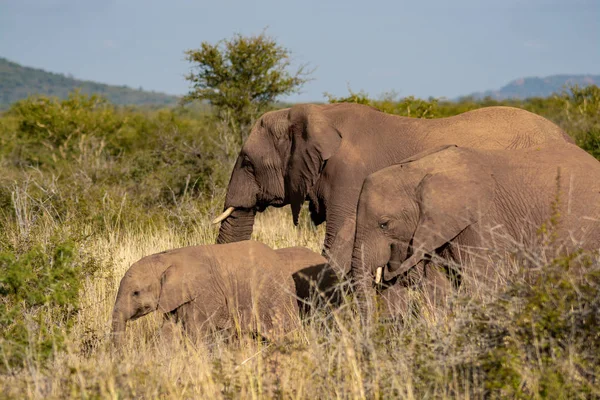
(87,188)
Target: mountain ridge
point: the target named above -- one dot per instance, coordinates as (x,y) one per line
(18,82)
(534,86)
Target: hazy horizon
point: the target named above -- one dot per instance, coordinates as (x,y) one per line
(436,50)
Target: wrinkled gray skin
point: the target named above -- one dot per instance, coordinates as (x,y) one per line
(213,287)
(322,153)
(459,206)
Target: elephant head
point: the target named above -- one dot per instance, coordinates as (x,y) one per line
(408,211)
(153,284)
(278,165)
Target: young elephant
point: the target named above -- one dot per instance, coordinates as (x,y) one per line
(462,205)
(245,285)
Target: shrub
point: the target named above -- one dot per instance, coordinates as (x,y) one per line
(391,103)
(582,115)
(51,129)
(94,163)
(541,336)
(40,292)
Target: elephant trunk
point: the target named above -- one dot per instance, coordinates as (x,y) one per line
(119,322)
(339,249)
(237,226)
(362,283)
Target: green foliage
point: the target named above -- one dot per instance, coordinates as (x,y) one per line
(582,113)
(95,163)
(40,291)
(359,98)
(242,77)
(391,103)
(409,106)
(53,128)
(541,338)
(18,82)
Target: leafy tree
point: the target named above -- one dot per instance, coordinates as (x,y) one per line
(241,77)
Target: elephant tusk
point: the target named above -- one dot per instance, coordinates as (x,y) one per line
(378,275)
(223,216)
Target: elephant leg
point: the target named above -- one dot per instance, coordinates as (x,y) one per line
(170,331)
(197,324)
(286,318)
(437,288)
(394,302)
(424,289)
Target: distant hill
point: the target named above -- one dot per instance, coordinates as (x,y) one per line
(537,87)
(18,82)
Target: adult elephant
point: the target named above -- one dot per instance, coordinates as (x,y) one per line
(322,153)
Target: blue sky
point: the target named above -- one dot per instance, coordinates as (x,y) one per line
(422,48)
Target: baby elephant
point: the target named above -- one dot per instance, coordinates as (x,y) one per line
(244,286)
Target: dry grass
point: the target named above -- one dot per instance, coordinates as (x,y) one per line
(521,334)
(431,356)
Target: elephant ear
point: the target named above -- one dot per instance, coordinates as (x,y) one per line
(180,284)
(449,202)
(314,141)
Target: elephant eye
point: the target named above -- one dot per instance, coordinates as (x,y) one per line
(384,225)
(136,293)
(246,163)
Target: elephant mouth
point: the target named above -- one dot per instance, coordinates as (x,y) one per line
(259,207)
(389,271)
(385,273)
(276,202)
(141,312)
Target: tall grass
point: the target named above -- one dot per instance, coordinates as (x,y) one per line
(486,344)
(76,212)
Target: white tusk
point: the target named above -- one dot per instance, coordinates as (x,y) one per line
(225,214)
(378,275)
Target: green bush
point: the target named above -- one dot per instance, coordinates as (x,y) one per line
(39,290)
(541,337)
(87,161)
(51,129)
(582,117)
(391,103)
